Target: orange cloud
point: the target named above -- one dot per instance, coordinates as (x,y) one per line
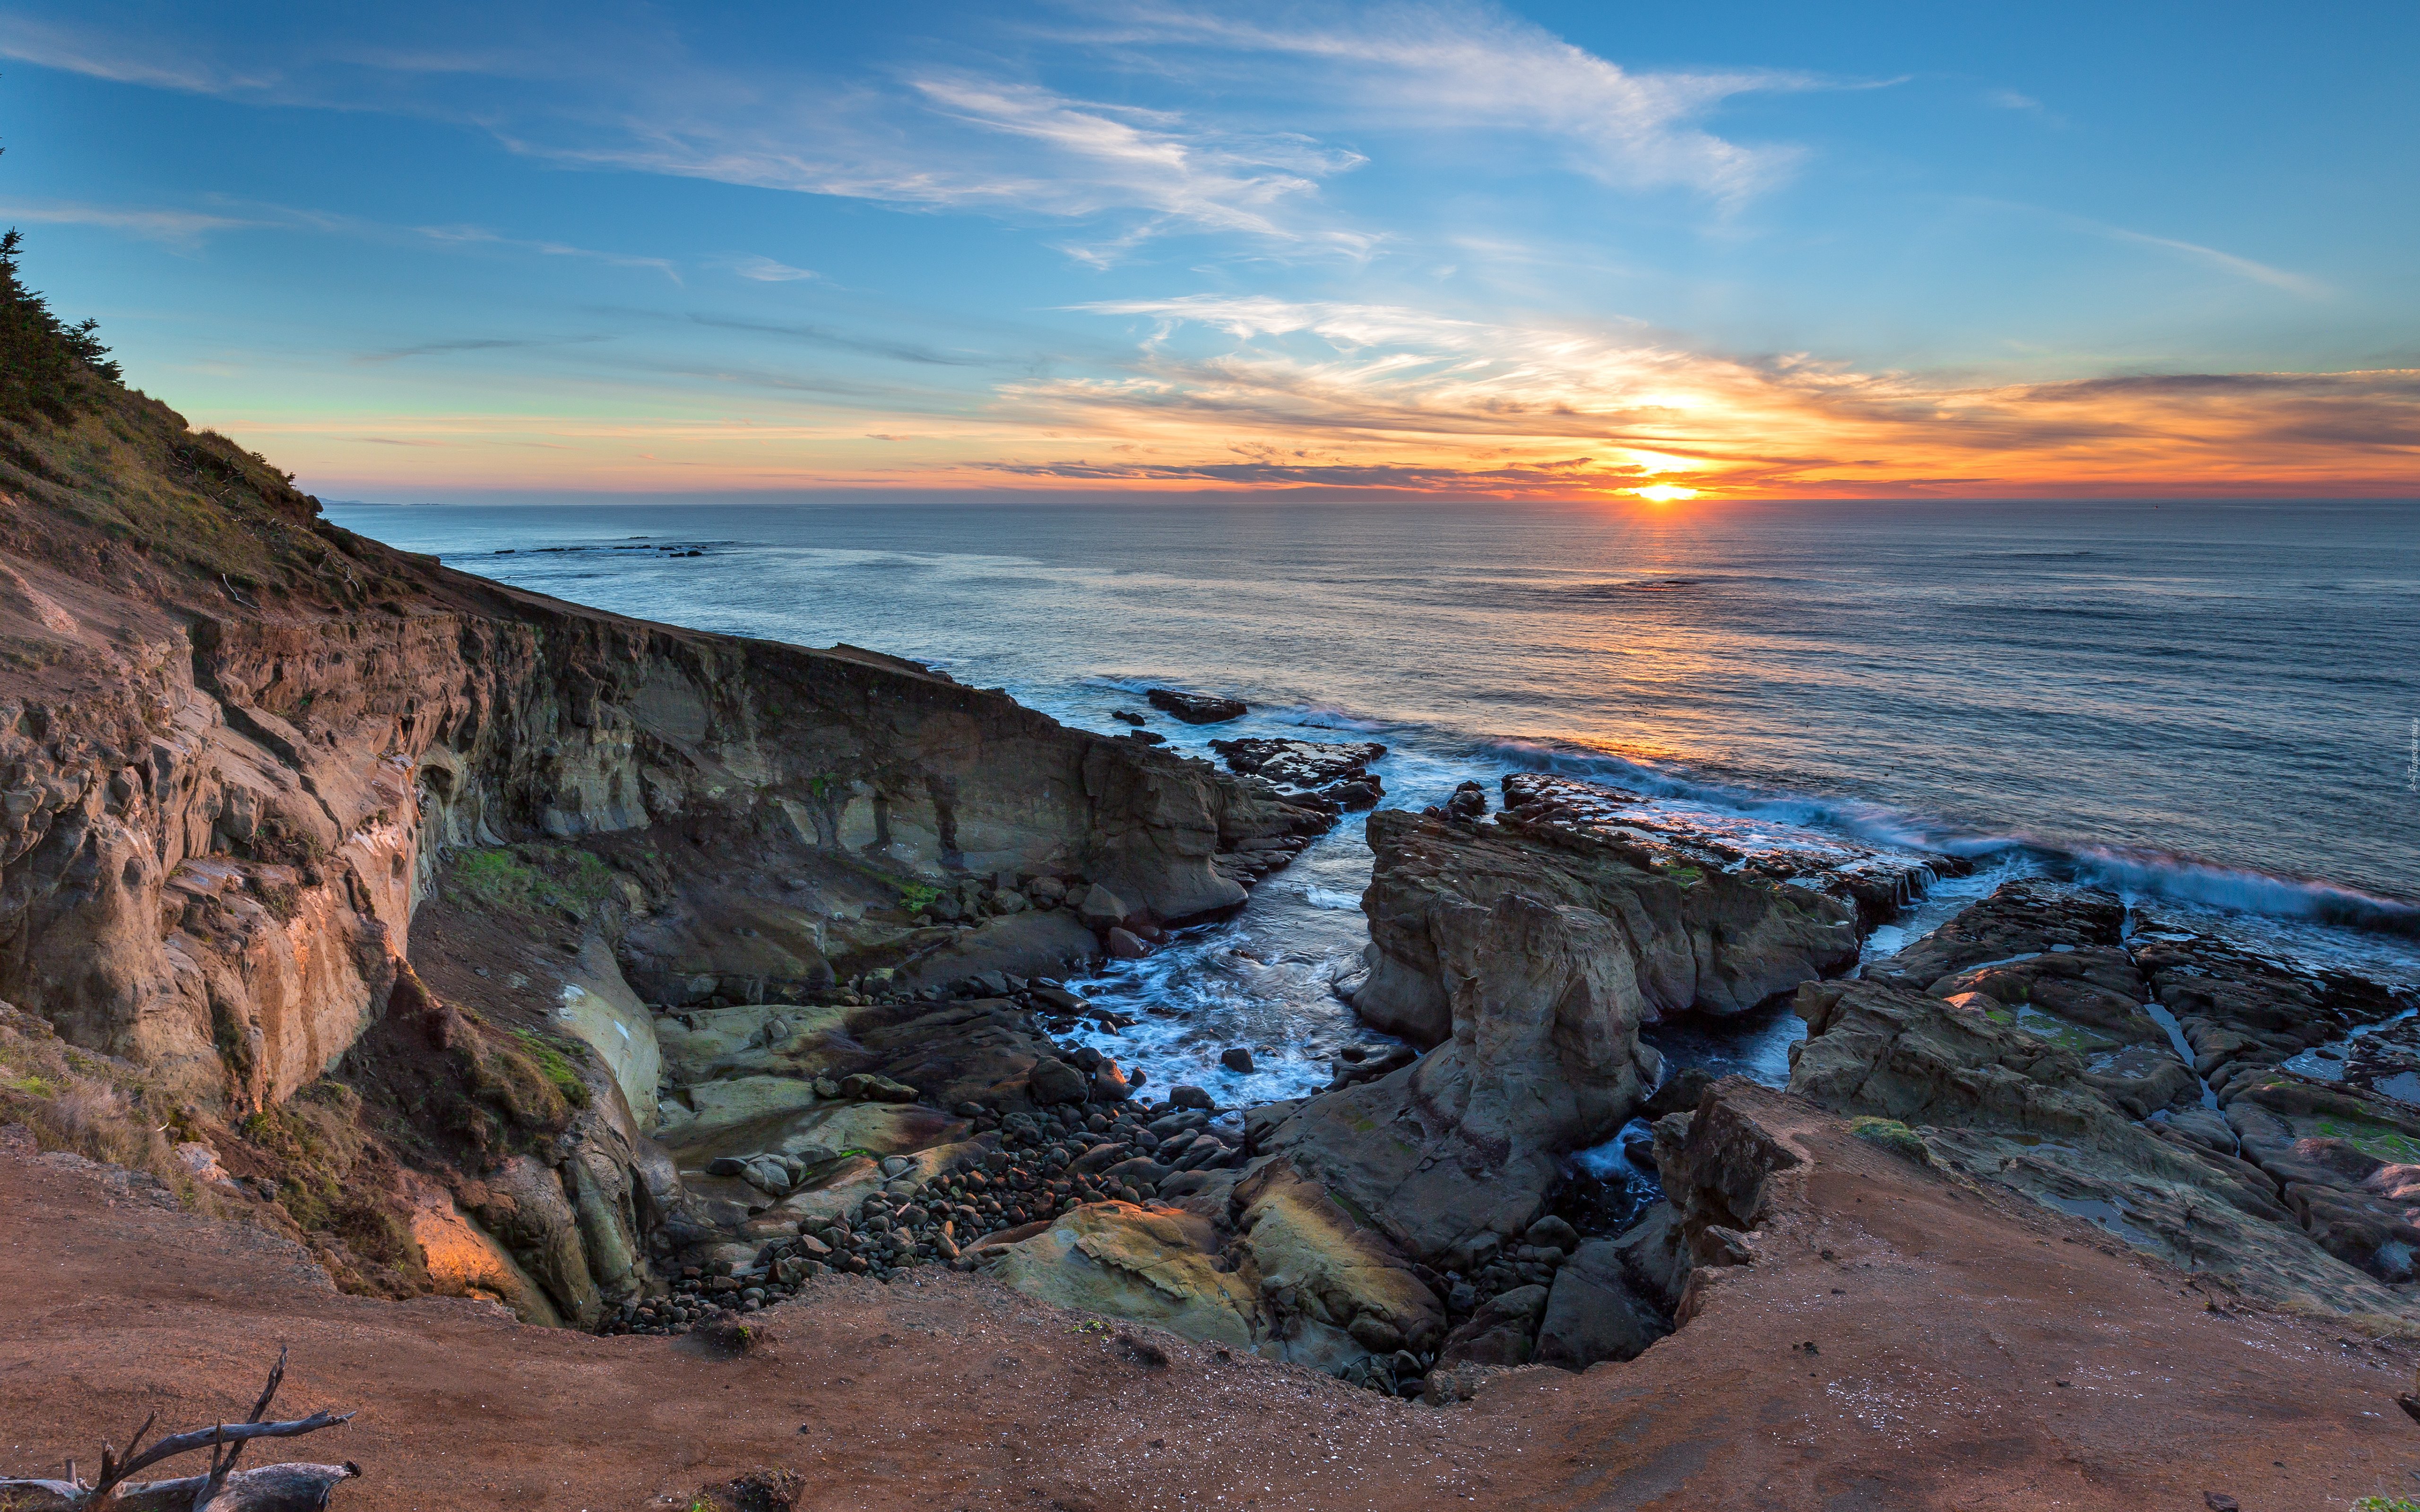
(1381,400)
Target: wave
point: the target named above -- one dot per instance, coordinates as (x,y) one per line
(2184,879)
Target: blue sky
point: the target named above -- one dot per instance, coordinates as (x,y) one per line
(1454,249)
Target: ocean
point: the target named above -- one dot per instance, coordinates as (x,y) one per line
(2214,709)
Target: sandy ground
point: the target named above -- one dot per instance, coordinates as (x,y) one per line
(1969,1352)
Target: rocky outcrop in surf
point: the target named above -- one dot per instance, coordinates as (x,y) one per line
(1540,1057)
(1325,771)
(1693,935)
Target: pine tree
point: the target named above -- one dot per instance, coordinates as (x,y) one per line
(47,367)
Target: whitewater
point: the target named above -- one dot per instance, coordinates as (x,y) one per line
(2211,708)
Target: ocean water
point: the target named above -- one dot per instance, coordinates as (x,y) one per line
(2214,708)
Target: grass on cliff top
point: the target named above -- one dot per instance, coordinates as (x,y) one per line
(121,488)
(93,1106)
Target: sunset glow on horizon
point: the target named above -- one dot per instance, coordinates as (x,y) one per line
(1414,251)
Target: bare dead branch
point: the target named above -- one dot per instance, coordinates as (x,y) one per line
(221,1469)
(271,1488)
(237,1433)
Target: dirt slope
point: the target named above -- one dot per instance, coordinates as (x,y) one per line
(1944,1327)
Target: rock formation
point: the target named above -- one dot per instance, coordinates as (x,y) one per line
(2021,1043)
(1695,936)
(1541,1057)
(239,747)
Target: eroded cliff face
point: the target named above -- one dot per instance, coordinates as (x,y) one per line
(212,873)
(234,741)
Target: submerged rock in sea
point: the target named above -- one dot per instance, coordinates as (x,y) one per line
(1196,708)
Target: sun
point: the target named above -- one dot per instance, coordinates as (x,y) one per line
(1662,493)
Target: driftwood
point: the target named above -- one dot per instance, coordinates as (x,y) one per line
(222,1489)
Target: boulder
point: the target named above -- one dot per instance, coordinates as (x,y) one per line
(1110,1084)
(1595,1311)
(1195,708)
(1237,1058)
(1126,946)
(1137,1171)
(1499,1333)
(2020,919)
(1034,944)
(1148,1265)
(465,1261)
(1301,764)
(1058,1000)
(525,1206)
(1551,1231)
(1874,883)
(1316,1257)
(1052,1082)
(1102,909)
(1996,1102)
(1469,801)
(874,1088)
(1655,1262)
(1721,1171)
(1191,1097)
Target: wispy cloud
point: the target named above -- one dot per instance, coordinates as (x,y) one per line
(2225,262)
(186,228)
(1266,107)
(2212,257)
(153,56)
(1454,68)
(481,236)
(474,344)
(967,143)
(179,228)
(766,270)
(897,351)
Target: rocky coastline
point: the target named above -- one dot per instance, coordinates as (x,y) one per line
(642,981)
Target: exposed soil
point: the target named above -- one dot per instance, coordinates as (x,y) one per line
(1969,1351)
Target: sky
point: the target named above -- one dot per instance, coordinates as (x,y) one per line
(1453,251)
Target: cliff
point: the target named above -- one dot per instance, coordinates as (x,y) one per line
(237,743)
